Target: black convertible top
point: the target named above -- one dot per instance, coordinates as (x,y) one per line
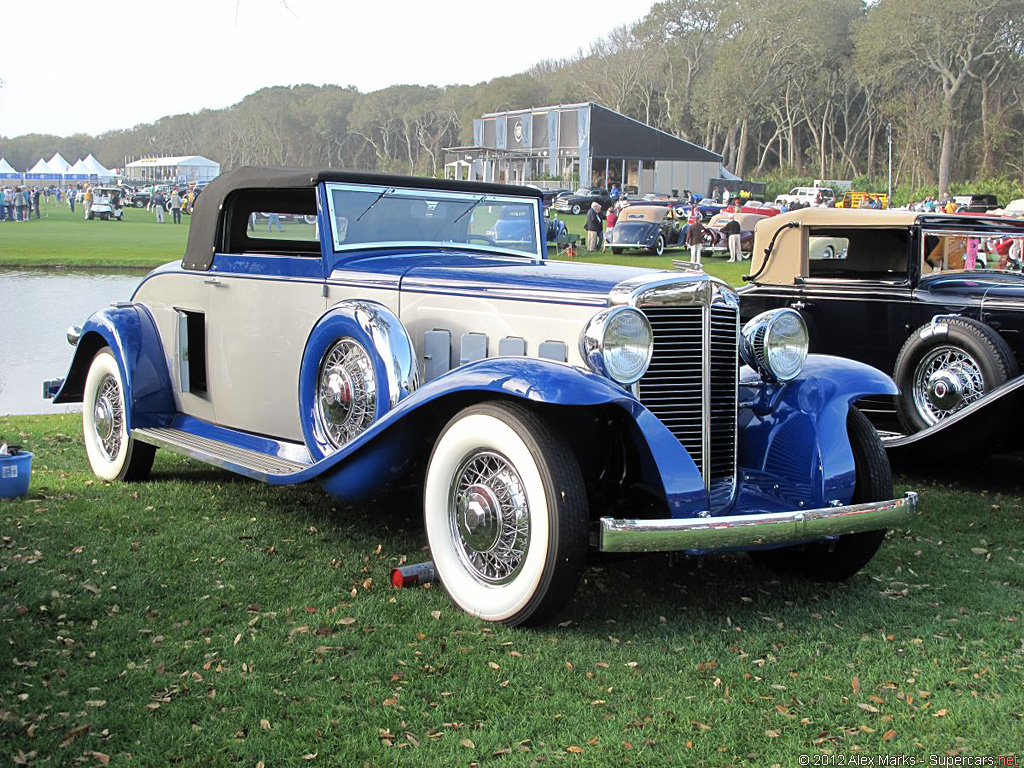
(203,230)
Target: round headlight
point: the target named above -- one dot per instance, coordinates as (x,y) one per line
(775,344)
(618,343)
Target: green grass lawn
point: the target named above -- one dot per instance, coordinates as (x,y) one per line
(61,239)
(203,619)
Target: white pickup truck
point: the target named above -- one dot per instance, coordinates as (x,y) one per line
(807,195)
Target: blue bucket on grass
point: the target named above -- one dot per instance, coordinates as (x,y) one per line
(15,472)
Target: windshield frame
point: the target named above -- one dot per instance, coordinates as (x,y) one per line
(470,199)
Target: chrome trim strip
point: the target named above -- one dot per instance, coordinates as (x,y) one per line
(705,386)
(669,535)
(898,440)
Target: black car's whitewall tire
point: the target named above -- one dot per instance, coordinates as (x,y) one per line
(659,245)
(505,513)
(113,455)
(576,208)
(940,372)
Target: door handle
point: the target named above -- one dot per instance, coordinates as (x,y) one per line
(213,281)
(799,304)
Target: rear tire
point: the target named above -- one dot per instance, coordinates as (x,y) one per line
(840,559)
(506,514)
(113,454)
(971,357)
(659,246)
(617,251)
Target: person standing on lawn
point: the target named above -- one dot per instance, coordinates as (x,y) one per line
(175,206)
(594,227)
(87,201)
(695,238)
(732,231)
(159,203)
(35,201)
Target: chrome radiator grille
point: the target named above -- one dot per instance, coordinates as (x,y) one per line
(691,387)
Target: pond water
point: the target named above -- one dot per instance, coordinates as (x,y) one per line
(36,308)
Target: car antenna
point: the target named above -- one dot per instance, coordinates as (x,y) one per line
(768,250)
(387,191)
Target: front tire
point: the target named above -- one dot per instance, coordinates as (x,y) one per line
(113,454)
(505,512)
(838,560)
(617,251)
(938,374)
(576,209)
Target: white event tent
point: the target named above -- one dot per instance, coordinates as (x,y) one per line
(41,170)
(95,168)
(58,164)
(7,170)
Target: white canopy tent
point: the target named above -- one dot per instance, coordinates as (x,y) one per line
(7,170)
(41,170)
(95,168)
(58,164)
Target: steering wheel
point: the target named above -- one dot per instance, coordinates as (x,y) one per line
(487,241)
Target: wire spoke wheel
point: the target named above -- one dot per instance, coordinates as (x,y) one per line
(489,517)
(946,379)
(346,402)
(108,417)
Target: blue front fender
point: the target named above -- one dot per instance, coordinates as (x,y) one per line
(132,336)
(794,448)
(382,450)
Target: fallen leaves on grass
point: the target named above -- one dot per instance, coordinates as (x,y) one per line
(74,733)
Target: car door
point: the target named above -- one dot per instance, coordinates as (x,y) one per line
(265,295)
(856,294)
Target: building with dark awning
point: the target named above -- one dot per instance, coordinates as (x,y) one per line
(582,144)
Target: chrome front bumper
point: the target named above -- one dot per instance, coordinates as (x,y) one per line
(738,531)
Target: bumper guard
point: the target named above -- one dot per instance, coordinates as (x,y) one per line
(738,531)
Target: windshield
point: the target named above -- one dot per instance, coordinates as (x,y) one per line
(367,215)
(945,251)
(582,192)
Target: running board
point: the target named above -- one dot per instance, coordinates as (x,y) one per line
(259,466)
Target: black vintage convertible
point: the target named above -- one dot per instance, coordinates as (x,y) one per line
(937,299)
(580,200)
(650,228)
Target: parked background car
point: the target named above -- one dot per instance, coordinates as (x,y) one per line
(809,195)
(905,292)
(580,200)
(715,240)
(650,227)
(544,406)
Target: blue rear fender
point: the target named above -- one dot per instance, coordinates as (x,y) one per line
(793,444)
(132,336)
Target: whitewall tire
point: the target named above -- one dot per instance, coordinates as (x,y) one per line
(113,455)
(505,513)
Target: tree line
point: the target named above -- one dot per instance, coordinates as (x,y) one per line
(802,88)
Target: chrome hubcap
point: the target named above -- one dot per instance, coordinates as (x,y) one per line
(346,400)
(489,517)
(108,417)
(946,380)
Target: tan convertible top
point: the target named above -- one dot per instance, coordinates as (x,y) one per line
(653,213)
(785,262)
(747,220)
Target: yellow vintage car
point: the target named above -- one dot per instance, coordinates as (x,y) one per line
(862,199)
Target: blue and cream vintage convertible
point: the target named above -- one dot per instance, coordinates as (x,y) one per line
(546,407)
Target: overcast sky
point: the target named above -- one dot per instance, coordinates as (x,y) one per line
(77,66)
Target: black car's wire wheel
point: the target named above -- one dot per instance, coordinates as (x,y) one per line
(943,369)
